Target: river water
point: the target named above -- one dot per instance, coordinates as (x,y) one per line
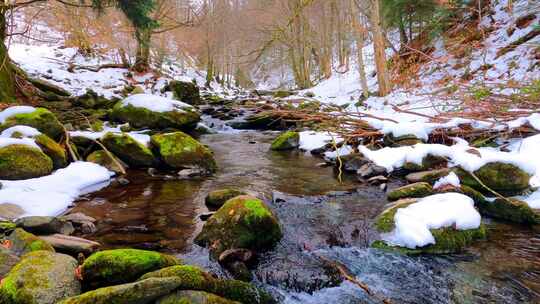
(323,219)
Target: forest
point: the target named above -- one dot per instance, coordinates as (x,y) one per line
(269,151)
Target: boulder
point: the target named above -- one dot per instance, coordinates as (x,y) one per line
(420,189)
(129,150)
(242,222)
(427,176)
(216,199)
(41,277)
(70,244)
(6,226)
(352,162)
(91,100)
(282,94)
(428,162)
(369,170)
(193,297)
(102,158)
(510,209)
(23,162)
(501,177)
(141,292)
(23,242)
(42,119)
(185,91)
(44,225)
(10,211)
(52,149)
(179,150)
(119,266)
(404,140)
(7,261)
(286,141)
(177,116)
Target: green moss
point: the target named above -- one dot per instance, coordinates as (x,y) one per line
(122,265)
(179,150)
(42,119)
(101,157)
(186,119)
(52,149)
(184,91)
(217,198)
(428,162)
(23,162)
(24,242)
(501,177)
(129,150)
(286,141)
(7,226)
(191,277)
(385,221)
(512,210)
(282,94)
(413,190)
(193,297)
(403,140)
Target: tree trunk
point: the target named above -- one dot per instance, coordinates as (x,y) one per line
(359,34)
(379,47)
(7,77)
(142,58)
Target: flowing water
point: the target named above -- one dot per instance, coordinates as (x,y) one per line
(323,220)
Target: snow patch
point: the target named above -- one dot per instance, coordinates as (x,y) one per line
(26,131)
(7,113)
(311,140)
(155,103)
(451,179)
(8,141)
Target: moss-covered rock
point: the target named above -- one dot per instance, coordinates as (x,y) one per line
(23,162)
(286,141)
(194,278)
(23,242)
(52,149)
(413,190)
(6,226)
(185,91)
(404,140)
(501,177)
(430,176)
(282,94)
(42,119)
(7,261)
(102,158)
(129,150)
(428,162)
(193,297)
(179,150)
(119,266)
(447,239)
(41,277)
(510,209)
(141,292)
(138,117)
(216,199)
(242,222)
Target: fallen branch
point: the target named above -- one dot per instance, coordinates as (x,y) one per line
(72,67)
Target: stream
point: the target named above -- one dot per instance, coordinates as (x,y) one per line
(321,217)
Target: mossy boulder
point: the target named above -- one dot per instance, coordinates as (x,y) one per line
(7,261)
(194,278)
(41,277)
(430,176)
(447,240)
(399,141)
(428,162)
(129,150)
(139,117)
(185,91)
(179,150)
(141,292)
(42,119)
(282,94)
(216,199)
(501,177)
(23,242)
(193,297)
(120,266)
(286,141)
(242,222)
(6,226)
(102,158)
(413,190)
(52,149)
(510,209)
(23,162)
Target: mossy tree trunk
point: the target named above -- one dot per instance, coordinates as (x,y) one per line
(142,58)
(7,77)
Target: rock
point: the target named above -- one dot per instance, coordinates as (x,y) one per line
(193,297)
(139,117)
(82,222)
(71,245)
(377,180)
(370,170)
(242,222)
(194,278)
(44,225)
(447,240)
(10,211)
(52,149)
(286,141)
(511,209)
(282,94)
(23,162)
(42,119)
(260,121)
(129,150)
(119,266)
(41,277)
(234,255)
(179,150)
(141,292)
(184,91)
(428,162)
(216,199)
(420,189)
(91,100)
(352,162)
(48,87)
(7,261)
(23,242)
(6,226)
(403,140)
(427,176)
(102,158)
(193,172)
(501,177)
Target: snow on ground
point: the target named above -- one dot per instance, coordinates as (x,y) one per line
(311,140)
(5,114)
(52,194)
(139,136)
(7,141)
(155,103)
(450,180)
(413,223)
(25,131)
